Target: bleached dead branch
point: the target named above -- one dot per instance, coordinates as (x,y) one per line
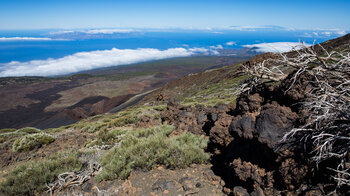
(327,104)
(70,179)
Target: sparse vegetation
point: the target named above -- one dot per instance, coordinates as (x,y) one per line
(4,81)
(106,138)
(11,134)
(125,120)
(31,177)
(94,127)
(28,142)
(7,130)
(29,130)
(223,92)
(144,148)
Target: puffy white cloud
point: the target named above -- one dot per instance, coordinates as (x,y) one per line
(275,47)
(89,60)
(231,43)
(27,39)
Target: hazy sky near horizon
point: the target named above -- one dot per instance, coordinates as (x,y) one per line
(70,14)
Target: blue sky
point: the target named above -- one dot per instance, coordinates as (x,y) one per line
(48,14)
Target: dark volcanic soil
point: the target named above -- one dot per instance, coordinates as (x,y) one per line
(34,113)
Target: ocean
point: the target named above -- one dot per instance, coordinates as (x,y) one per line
(20,48)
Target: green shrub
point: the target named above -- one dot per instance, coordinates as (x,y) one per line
(94,126)
(29,130)
(160,107)
(28,142)
(96,117)
(145,148)
(55,130)
(105,137)
(7,130)
(9,136)
(125,120)
(32,177)
(128,112)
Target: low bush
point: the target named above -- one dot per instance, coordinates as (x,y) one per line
(125,120)
(105,137)
(144,148)
(11,134)
(7,130)
(160,107)
(28,142)
(31,177)
(29,130)
(94,127)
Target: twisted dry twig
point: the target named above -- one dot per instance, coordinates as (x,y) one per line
(70,179)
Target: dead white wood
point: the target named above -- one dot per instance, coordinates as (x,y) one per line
(327,103)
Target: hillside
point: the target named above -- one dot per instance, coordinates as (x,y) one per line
(201,134)
(52,102)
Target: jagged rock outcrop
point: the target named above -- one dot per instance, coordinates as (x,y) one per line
(210,121)
(244,140)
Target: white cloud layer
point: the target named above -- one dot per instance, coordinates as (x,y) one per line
(96,31)
(246,28)
(274,47)
(109,31)
(324,33)
(27,39)
(88,60)
(256,28)
(199,50)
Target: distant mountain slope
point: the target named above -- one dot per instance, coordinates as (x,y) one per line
(53,102)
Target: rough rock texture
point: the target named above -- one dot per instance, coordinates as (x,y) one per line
(244,140)
(210,121)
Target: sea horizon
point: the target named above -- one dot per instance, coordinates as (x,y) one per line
(56,48)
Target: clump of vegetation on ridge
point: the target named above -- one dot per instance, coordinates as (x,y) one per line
(144,148)
(29,130)
(28,142)
(106,138)
(223,92)
(12,134)
(31,177)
